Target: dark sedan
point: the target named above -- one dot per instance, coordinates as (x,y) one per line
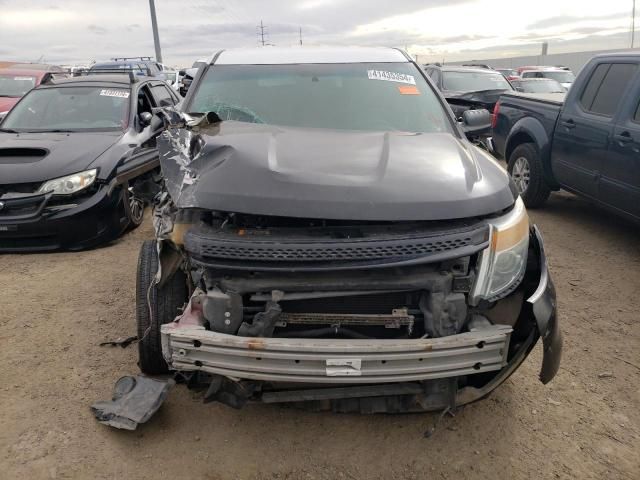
(71,151)
(466,87)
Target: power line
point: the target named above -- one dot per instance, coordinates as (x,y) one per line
(261,33)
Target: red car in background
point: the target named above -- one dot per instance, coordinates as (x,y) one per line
(14,83)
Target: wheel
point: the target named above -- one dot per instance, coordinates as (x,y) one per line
(133,208)
(155,307)
(526,170)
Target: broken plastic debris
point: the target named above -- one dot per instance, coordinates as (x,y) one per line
(134,401)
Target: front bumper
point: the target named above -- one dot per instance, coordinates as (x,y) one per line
(335,361)
(83,223)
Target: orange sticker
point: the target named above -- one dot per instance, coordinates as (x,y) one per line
(408,90)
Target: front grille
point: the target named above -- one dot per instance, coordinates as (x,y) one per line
(28,188)
(279,249)
(377,250)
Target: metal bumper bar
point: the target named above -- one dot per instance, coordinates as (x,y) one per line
(335,361)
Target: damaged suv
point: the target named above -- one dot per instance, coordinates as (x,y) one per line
(327,234)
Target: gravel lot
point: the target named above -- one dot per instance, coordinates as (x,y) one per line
(56,308)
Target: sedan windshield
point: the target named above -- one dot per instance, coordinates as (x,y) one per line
(474,81)
(539,86)
(77,109)
(561,76)
(15,85)
(362,96)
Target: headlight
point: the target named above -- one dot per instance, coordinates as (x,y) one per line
(69,184)
(502,265)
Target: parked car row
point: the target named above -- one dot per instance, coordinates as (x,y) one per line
(326,231)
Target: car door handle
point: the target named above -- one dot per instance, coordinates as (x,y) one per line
(624,137)
(568,124)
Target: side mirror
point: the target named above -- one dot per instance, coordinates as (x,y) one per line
(145,118)
(476,122)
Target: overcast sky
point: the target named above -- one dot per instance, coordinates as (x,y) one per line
(78,31)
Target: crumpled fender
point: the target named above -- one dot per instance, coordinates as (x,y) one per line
(543,302)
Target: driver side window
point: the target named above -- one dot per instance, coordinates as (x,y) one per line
(144,104)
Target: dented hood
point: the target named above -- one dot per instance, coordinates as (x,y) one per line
(332,174)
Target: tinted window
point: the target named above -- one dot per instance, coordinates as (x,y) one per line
(361,96)
(71,108)
(606,86)
(586,100)
(12,85)
(161,93)
(474,81)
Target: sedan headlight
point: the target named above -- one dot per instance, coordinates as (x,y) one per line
(69,184)
(502,265)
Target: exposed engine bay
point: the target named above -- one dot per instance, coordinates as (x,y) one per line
(403,290)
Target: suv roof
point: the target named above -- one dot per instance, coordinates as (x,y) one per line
(282,56)
(107,78)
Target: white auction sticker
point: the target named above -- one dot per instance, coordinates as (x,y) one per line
(114,93)
(344,367)
(23,79)
(391,76)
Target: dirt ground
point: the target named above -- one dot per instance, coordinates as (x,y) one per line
(56,308)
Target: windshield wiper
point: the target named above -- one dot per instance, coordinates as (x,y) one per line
(8,130)
(8,96)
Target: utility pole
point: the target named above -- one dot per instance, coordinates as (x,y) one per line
(300,29)
(633,23)
(154,26)
(261,33)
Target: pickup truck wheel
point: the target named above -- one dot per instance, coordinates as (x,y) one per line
(154,307)
(526,171)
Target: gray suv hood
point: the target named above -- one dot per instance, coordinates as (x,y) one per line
(332,174)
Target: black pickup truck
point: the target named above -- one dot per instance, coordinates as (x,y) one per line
(589,144)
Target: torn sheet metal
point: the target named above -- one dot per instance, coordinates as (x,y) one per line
(134,401)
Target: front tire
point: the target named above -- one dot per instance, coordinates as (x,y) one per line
(527,172)
(133,208)
(154,307)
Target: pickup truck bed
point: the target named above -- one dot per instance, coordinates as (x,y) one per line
(588,144)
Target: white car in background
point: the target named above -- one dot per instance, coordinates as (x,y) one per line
(562,76)
(172,77)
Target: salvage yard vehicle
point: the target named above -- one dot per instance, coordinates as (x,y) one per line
(587,144)
(327,235)
(70,153)
(466,87)
(15,83)
(561,75)
(141,66)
